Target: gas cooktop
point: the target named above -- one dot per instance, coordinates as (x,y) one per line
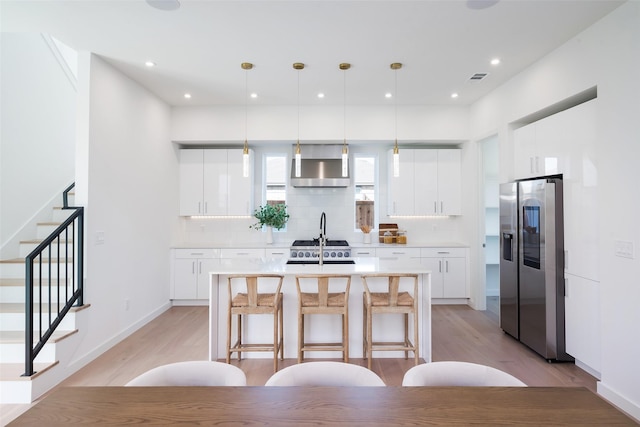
(316,242)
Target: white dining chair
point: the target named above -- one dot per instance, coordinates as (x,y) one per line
(459,374)
(325,374)
(191,373)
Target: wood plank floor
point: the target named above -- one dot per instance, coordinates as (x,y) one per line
(459,333)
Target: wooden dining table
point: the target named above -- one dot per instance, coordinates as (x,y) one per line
(323,406)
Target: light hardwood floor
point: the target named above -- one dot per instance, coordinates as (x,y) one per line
(459,333)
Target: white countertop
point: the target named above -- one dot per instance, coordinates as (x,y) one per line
(356,244)
(280,266)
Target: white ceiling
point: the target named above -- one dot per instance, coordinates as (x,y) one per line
(199,47)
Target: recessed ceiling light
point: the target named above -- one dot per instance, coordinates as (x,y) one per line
(254,95)
(187,95)
(454,95)
(164,4)
(388,95)
(321,95)
(150,64)
(495,61)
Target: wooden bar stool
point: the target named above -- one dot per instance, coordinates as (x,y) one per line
(392,301)
(253,302)
(324,302)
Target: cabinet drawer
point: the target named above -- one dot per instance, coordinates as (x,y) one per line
(363,252)
(277,253)
(242,253)
(197,253)
(398,252)
(443,252)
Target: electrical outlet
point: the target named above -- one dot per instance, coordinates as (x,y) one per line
(623,249)
(99,237)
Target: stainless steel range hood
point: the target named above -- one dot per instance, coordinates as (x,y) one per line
(321,166)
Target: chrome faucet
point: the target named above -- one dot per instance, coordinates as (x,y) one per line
(323,236)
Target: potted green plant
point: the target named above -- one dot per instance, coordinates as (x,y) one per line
(270,216)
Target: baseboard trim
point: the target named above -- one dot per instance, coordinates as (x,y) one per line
(624,404)
(99,350)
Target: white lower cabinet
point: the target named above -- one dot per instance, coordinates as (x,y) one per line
(190,273)
(448,271)
(582,320)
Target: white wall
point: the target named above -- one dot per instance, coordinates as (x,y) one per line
(607,55)
(37,135)
(127,169)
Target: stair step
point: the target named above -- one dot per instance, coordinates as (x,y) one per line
(12,307)
(15,268)
(27,246)
(17,337)
(60,214)
(12,316)
(12,346)
(13,290)
(44,229)
(14,371)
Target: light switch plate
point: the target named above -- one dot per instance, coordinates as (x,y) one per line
(623,249)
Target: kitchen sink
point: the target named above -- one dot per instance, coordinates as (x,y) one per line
(330,261)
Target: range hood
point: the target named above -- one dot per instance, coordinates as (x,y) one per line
(321,166)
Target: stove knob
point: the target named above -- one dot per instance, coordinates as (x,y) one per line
(347,254)
(315,255)
(326,253)
(333,254)
(300,254)
(294,254)
(339,254)
(307,254)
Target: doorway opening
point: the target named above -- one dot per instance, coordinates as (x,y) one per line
(490,203)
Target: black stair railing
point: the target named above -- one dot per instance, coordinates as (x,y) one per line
(54,273)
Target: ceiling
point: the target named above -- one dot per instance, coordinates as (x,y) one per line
(198,48)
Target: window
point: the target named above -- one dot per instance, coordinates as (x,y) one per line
(276,178)
(365,191)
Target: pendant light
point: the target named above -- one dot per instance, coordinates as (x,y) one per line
(298,66)
(245,152)
(345,150)
(396,153)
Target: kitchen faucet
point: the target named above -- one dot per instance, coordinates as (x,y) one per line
(323,236)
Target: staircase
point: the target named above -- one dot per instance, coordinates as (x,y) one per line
(50,365)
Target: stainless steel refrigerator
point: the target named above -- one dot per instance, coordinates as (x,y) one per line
(532,265)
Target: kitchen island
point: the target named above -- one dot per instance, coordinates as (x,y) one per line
(319,328)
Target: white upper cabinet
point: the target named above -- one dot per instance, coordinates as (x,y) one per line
(191,182)
(449,182)
(209,178)
(430,183)
(565,143)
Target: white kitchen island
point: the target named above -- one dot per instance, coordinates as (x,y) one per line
(320,328)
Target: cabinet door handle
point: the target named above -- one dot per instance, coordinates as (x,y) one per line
(196,253)
(566,259)
(435,207)
(206,208)
(441,207)
(446,263)
(443,252)
(439,266)
(363,253)
(193,267)
(200,267)
(537,164)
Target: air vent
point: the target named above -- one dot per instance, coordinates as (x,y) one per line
(477,77)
